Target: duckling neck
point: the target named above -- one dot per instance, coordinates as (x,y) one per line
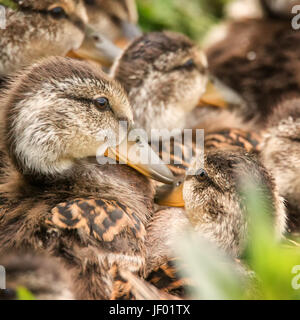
(156,114)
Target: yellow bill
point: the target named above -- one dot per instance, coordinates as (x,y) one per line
(170,196)
(213,96)
(98,49)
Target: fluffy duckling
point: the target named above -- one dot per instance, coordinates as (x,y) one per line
(37,29)
(165,76)
(55,197)
(213,201)
(280,153)
(265,68)
(214,206)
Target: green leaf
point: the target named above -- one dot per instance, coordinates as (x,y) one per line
(24,294)
(9,4)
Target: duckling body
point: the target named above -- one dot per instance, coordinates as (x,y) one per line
(280,154)
(265,67)
(55,198)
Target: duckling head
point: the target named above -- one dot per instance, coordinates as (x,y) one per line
(61,110)
(215,199)
(112,25)
(165,75)
(40,29)
(72,11)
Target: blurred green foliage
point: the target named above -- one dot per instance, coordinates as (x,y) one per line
(192,17)
(8,3)
(24,294)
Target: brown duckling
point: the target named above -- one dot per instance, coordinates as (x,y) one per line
(280,153)
(214,203)
(37,29)
(55,198)
(166,76)
(262,69)
(214,206)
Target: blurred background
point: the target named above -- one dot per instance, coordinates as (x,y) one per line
(193,17)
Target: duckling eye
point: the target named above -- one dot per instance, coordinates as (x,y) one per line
(201,175)
(102,103)
(190,64)
(58,13)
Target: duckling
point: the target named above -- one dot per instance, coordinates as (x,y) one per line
(55,197)
(43,276)
(265,68)
(46,28)
(39,29)
(165,76)
(213,206)
(214,203)
(280,154)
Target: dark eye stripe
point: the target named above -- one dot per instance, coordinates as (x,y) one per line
(44,12)
(188,65)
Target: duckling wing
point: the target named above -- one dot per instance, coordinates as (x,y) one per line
(227,138)
(167,278)
(99,218)
(128,286)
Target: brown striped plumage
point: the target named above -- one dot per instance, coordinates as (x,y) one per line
(250,141)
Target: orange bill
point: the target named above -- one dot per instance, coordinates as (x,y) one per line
(170,196)
(143,159)
(97,48)
(213,96)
